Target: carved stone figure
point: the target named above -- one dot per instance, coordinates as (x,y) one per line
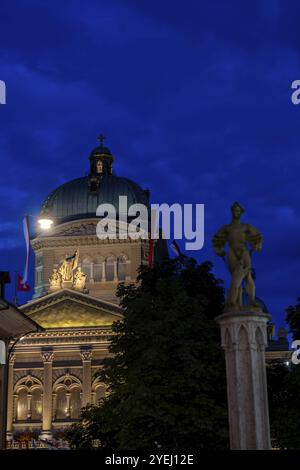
(68,267)
(79,279)
(55,280)
(238,235)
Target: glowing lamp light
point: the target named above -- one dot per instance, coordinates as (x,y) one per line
(45,224)
(45,220)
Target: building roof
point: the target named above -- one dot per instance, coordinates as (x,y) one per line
(74,200)
(70,309)
(14,323)
(80,197)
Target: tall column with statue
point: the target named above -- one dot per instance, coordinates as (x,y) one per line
(244,337)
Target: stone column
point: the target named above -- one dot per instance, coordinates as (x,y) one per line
(54,406)
(115,270)
(103,277)
(47,357)
(86,377)
(10,398)
(244,338)
(68,397)
(127,276)
(29,401)
(15,408)
(92,272)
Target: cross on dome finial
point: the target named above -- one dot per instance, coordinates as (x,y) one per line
(101,139)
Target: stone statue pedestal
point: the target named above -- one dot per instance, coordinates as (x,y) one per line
(244,338)
(67,284)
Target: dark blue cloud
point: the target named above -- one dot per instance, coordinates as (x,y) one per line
(193,96)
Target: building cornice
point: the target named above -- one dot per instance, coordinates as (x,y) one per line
(67,294)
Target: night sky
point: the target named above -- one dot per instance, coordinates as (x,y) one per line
(194,98)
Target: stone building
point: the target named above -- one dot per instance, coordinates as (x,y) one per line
(52,373)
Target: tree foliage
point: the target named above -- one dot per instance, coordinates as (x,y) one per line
(166,373)
(293,320)
(284,393)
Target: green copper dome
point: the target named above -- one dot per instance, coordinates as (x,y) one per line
(79,198)
(74,200)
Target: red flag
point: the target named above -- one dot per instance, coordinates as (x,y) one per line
(21,286)
(150,255)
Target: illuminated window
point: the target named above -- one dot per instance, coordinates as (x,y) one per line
(22,405)
(36,404)
(61,404)
(75,403)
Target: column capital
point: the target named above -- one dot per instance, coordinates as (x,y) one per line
(86,355)
(47,356)
(251,323)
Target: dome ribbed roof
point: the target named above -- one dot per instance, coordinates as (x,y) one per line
(74,200)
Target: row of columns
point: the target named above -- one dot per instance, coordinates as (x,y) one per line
(48,397)
(103,273)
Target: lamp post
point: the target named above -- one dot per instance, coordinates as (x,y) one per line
(14,326)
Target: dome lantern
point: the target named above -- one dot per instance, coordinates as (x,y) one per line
(79,198)
(101,161)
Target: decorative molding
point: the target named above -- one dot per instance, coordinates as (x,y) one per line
(23,373)
(66,294)
(57,337)
(77,229)
(57,242)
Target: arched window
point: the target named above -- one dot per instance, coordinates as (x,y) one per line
(110,268)
(100,393)
(36,404)
(122,263)
(22,405)
(61,403)
(75,403)
(67,390)
(28,398)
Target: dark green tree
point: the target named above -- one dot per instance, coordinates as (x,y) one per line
(284,393)
(166,373)
(293,320)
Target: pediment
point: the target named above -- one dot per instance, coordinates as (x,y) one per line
(67,309)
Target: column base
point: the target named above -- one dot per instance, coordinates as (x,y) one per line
(9,436)
(46,435)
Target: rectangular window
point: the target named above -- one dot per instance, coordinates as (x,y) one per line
(98,272)
(109,271)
